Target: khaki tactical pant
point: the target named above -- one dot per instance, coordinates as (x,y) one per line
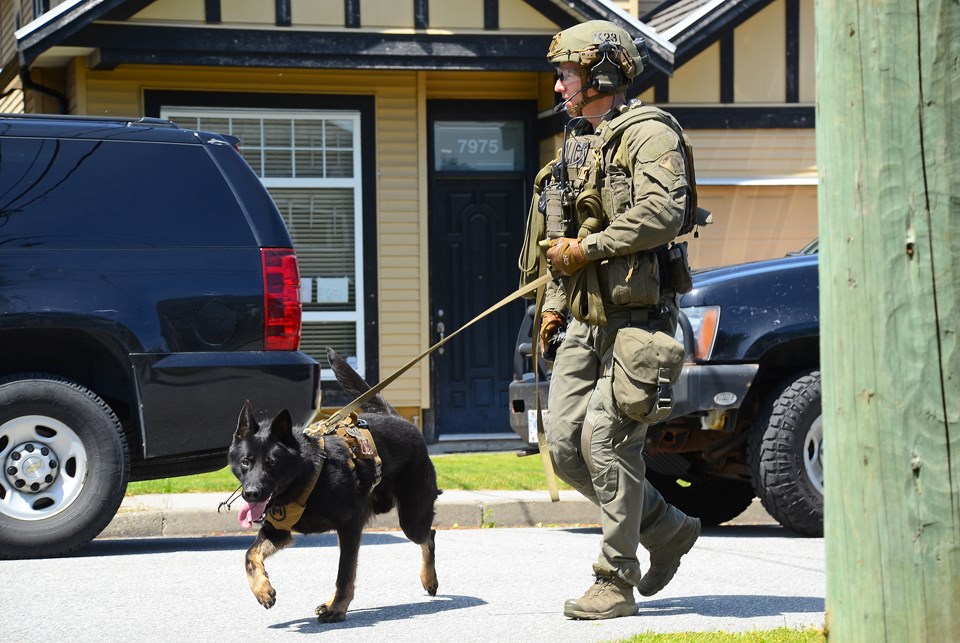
(598,451)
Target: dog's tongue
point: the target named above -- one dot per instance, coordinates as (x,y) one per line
(250,513)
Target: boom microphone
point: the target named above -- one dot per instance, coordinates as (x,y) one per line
(562,106)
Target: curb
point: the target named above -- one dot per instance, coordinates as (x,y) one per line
(180,515)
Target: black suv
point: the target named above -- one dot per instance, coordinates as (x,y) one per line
(746,413)
(148,286)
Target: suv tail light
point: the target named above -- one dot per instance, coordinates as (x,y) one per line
(282,310)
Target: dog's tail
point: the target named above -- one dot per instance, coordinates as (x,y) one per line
(355,385)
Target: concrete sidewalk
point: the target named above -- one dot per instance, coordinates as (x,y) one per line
(195,514)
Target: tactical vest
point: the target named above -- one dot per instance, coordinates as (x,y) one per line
(579,193)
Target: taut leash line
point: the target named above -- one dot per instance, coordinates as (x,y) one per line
(316,426)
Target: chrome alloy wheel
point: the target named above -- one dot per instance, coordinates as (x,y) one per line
(44,467)
(813,454)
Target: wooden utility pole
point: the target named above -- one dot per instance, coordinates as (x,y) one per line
(888,144)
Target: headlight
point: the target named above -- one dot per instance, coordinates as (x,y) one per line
(704,320)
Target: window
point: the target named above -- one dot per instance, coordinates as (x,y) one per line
(309,161)
(148,195)
(478,146)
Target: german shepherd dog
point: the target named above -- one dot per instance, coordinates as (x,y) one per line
(276,463)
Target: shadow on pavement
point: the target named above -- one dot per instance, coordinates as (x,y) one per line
(371,616)
(738,605)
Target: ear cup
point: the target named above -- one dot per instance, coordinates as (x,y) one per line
(606,76)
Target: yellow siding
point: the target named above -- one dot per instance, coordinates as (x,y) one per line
(12,103)
(445,14)
(8,48)
(248,12)
(636,8)
(698,81)
(376,13)
(517,14)
(808,75)
(172,11)
(759,57)
(398,219)
(752,223)
(738,155)
(317,13)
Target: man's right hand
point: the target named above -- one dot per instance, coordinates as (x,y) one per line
(551,323)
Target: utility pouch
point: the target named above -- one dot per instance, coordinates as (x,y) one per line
(553,211)
(617,191)
(678,268)
(631,280)
(645,366)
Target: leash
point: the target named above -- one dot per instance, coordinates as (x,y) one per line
(317,426)
(544,449)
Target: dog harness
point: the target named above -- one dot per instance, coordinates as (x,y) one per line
(360,445)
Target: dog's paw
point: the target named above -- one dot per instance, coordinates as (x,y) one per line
(327,615)
(266,595)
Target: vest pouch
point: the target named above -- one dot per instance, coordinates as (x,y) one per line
(556,218)
(631,280)
(645,366)
(617,192)
(678,268)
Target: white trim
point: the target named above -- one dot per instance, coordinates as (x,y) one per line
(746,180)
(307,183)
(645,29)
(50,15)
(692,18)
(331,316)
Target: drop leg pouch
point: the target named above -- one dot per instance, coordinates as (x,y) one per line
(645,366)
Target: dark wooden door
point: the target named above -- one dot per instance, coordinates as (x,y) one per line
(476,232)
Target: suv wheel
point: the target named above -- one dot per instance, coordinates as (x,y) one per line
(713,500)
(786,455)
(65,466)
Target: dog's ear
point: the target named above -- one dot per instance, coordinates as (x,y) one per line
(246,423)
(282,428)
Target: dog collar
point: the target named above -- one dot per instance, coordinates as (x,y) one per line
(286,516)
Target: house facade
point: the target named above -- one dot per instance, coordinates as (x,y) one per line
(400,140)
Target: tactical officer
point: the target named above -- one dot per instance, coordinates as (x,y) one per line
(603,213)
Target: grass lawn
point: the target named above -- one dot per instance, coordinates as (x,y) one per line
(503,471)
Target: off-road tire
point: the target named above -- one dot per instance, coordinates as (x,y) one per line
(713,500)
(785,455)
(91,465)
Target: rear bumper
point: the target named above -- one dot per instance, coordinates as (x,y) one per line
(190,402)
(701,388)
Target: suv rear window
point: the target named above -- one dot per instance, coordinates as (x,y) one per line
(60,193)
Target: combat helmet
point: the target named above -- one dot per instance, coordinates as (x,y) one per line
(609,57)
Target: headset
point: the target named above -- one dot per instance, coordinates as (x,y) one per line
(607,74)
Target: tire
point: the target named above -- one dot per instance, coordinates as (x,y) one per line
(714,500)
(785,452)
(65,466)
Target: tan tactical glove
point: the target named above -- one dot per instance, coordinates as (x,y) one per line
(551,323)
(566,255)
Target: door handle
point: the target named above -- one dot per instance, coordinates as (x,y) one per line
(440,329)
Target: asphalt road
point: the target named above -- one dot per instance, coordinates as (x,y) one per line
(501,584)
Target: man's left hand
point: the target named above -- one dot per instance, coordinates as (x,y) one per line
(566,255)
